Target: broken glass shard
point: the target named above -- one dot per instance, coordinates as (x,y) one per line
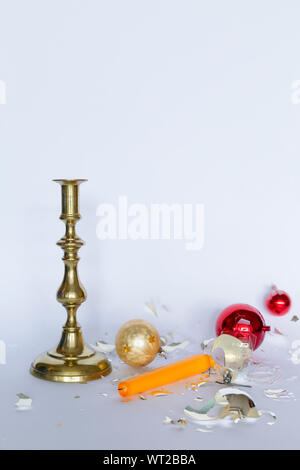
(238,404)
(24,401)
(104,347)
(230,352)
(172,346)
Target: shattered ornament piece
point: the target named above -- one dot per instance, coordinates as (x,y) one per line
(278,302)
(152,308)
(278,393)
(24,401)
(204,430)
(238,404)
(104,347)
(231,353)
(161,393)
(178,422)
(268,413)
(278,332)
(263,373)
(202,414)
(295,352)
(167,348)
(163,341)
(162,353)
(205,343)
(137,343)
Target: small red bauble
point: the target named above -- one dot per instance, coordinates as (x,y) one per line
(244,322)
(278,302)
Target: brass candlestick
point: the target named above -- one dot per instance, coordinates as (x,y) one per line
(72,360)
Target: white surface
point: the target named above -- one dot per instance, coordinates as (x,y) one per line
(57,420)
(162,101)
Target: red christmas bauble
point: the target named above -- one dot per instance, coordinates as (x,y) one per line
(278,302)
(244,322)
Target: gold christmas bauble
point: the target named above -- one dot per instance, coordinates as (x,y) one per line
(137,343)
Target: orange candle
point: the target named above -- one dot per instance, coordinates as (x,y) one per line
(188,367)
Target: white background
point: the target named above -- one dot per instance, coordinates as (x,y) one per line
(165,102)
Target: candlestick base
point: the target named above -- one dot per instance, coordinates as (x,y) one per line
(89,365)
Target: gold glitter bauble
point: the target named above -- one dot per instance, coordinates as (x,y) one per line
(137,343)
